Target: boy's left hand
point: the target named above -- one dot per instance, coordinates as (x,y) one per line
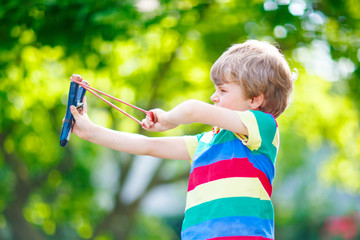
(157,121)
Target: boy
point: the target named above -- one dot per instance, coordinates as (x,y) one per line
(232,167)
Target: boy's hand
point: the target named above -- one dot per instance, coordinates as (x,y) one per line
(82,122)
(78,78)
(157,121)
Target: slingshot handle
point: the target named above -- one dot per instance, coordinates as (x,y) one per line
(80,93)
(79,97)
(76,96)
(66,127)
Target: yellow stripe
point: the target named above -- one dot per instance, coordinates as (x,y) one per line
(254,138)
(224,188)
(243,138)
(276,141)
(191,144)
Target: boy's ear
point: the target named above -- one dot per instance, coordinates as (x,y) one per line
(257,101)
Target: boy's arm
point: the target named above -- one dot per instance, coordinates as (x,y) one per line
(193,111)
(164,147)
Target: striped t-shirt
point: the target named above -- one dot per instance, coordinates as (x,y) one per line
(230,182)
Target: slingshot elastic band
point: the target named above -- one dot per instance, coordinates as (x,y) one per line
(94,90)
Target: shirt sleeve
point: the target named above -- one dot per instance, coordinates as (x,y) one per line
(191,143)
(262,131)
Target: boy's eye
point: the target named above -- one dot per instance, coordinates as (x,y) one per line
(220,89)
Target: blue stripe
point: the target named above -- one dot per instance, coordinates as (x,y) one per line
(264,164)
(234,149)
(230,226)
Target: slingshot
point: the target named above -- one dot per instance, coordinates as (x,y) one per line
(76,95)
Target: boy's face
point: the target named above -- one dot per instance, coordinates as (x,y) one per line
(231,96)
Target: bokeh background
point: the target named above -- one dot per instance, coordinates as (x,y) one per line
(158,53)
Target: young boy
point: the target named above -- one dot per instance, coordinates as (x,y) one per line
(232,167)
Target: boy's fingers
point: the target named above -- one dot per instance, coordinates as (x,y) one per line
(151,118)
(148,119)
(143,124)
(85,105)
(76,77)
(74,112)
(146,124)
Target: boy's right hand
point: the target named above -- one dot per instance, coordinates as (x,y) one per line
(157,121)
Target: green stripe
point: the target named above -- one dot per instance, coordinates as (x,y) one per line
(267,130)
(224,136)
(228,207)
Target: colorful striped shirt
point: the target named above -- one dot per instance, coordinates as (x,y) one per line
(230,182)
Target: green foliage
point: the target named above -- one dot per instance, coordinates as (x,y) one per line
(159,58)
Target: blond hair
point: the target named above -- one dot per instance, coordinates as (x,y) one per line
(259,68)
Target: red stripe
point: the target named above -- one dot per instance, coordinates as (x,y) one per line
(241,238)
(236,167)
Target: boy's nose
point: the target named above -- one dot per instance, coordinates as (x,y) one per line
(214,98)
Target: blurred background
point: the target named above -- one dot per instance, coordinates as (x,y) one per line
(158,53)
